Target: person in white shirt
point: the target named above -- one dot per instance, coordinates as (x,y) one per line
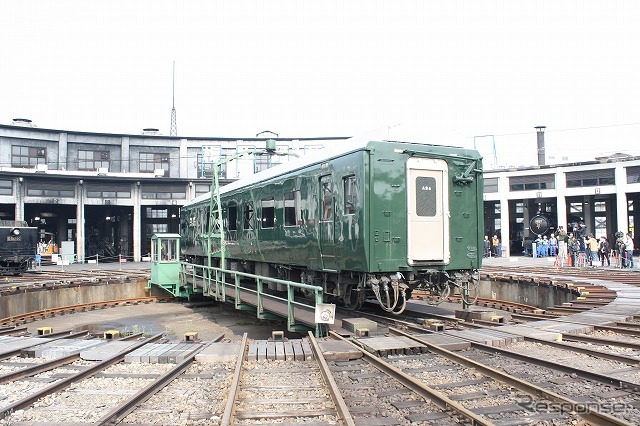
(628,243)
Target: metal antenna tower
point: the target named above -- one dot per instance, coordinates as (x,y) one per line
(174,126)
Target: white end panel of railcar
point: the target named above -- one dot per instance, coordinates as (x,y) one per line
(428,211)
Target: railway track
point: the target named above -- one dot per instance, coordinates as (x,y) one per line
(589,377)
(17,320)
(33,279)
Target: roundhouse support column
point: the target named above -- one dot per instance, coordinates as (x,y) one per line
(504,219)
(622,206)
(19,208)
(137,246)
(80,231)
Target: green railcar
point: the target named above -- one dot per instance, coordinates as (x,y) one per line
(372,219)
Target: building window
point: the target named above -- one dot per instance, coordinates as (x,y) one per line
(590,178)
(633,174)
(153,213)
(491,185)
(155,228)
(292,209)
(6,187)
(202,189)
(37,188)
(164,192)
(28,156)
(149,162)
(267,215)
(350,195)
(108,191)
(531,183)
(93,160)
(261,162)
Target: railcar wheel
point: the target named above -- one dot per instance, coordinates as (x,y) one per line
(353,298)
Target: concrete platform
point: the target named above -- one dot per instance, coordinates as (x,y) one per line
(162,353)
(12,343)
(392,345)
(488,336)
(219,353)
(338,350)
(445,341)
(297,349)
(61,348)
(106,351)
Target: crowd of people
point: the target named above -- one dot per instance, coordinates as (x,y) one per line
(583,249)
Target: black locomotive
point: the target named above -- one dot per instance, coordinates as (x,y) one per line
(18,243)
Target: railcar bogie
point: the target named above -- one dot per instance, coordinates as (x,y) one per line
(369,221)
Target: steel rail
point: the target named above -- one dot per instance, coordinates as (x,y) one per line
(631,331)
(599,341)
(63,383)
(234,388)
(585,411)
(38,368)
(83,307)
(336,395)
(119,412)
(49,365)
(11,330)
(576,338)
(417,386)
(588,375)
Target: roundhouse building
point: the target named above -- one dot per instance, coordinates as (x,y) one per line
(522,203)
(102,196)
(105,195)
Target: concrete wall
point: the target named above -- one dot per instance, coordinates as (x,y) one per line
(530,293)
(23,301)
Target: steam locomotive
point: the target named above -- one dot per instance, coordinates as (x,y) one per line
(18,243)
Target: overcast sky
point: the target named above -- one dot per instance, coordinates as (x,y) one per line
(444,72)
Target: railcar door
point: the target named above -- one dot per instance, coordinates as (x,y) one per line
(327,224)
(428,211)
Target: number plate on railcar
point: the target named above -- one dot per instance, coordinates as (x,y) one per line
(14,237)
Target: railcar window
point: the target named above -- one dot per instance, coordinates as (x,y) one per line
(292,209)
(248,215)
(267,213)
(426,196)
(232,217)
(327,198)
(350,195)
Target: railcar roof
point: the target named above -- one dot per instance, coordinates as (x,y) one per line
(315,157)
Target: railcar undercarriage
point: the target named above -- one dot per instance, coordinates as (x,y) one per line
(352,289)
(391,291)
